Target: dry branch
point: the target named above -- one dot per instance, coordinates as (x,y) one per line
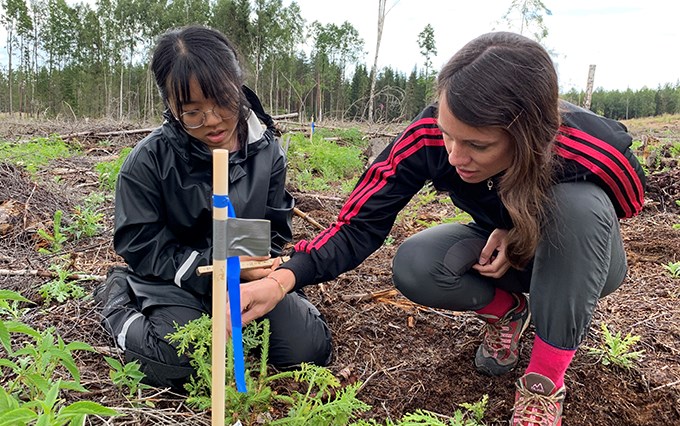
(308,218)
(363,297)
(50,274)
(104,134)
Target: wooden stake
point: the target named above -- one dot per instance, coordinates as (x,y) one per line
(219,296)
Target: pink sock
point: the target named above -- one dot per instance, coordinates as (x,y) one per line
(550,361)
(500,305)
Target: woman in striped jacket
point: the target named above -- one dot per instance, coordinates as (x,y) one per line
(545,183)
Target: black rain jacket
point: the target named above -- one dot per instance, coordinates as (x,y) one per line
(163,207)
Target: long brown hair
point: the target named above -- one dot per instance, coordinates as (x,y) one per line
(508,81)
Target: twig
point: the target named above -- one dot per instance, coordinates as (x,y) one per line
(26,206)
(309,219)
(384,370)
(50,274)
(667,385)
(362,297)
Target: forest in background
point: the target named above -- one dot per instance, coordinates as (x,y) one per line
(83,61)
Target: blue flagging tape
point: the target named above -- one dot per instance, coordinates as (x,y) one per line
(234,293)
(221,201)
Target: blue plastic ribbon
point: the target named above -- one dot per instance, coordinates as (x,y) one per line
(234,294)
(221,201)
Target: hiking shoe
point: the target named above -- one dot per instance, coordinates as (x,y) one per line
(499,351)
(537,402)
(113,293)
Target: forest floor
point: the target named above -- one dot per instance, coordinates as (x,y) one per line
(408,357)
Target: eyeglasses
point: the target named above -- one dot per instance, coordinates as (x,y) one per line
(196,118)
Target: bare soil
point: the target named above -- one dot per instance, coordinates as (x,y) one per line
(408,357)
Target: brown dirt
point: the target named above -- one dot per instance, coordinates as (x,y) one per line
(408,357)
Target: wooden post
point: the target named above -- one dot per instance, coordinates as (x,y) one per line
(219,289)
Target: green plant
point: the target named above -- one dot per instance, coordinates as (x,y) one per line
(126,376)
(673,269)
(61,288)
(315,163)
(30,392)
(617,350)
(194,340)
(86,222)
(49,410)
(35,153)
(108,170)
(675,149)
(9,304)
(471,416)
(321,404)
(55,238)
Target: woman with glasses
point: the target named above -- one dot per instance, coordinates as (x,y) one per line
(163,211)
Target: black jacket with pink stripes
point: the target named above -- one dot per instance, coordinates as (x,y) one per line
(592,148)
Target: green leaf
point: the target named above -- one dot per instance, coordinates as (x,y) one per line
(86,407)
(114,363)
(19,327)
(4,338)
(52,395)
(79,346)
(74,386)
(17,417)
(13,295)
(7,363)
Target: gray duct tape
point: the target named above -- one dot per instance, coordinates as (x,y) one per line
(248,237)
(219,239)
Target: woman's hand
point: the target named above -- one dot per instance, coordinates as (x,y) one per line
(261,296)
(257,273)
(493,262)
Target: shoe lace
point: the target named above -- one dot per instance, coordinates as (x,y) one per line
(535,409)
(498,336)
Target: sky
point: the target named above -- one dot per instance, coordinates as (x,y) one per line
(633,44)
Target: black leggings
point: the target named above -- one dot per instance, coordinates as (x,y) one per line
(579,260)
(298,334)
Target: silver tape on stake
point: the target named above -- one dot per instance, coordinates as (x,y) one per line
(248,237)
(219,239)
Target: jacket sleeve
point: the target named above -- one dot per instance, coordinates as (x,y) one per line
(280,203)
(142,236)
(367,216)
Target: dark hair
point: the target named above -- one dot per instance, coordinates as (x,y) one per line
(508,81)
(206,54)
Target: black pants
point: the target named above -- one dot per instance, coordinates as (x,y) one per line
(298,332)
(580,259)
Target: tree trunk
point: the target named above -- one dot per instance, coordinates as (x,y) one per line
(374,69)
(271,89)
(120,90)
(318,97)
(9,70)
